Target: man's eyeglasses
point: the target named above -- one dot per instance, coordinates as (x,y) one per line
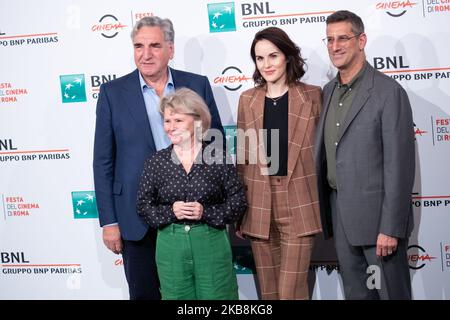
(340,40)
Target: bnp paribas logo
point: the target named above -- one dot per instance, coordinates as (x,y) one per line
(73,88)
(231,138)
(84,205)
(221,17)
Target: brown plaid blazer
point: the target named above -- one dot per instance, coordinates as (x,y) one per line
(304,107)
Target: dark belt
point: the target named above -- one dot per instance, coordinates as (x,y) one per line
(189,222)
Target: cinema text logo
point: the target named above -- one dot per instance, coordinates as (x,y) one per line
(231,78)
(9,93)
(29,39)
(395,9)
(398,69)
(9,152)
(17,206)
(17,263)
(221,17)
(72,88)
(418,257)
(108,26)
(84,205)
(262,14)
(418,131)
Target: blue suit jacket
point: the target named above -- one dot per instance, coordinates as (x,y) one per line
(123,140)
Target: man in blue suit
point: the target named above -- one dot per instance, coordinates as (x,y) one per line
(129,128)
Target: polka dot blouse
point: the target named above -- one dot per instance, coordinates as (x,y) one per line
(214,184)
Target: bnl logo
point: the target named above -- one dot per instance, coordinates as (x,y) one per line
(84,205)
(13,257)
(221,17)
(73,88)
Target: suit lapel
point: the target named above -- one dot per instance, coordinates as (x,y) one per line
(299,112)
(136,105)
(257,113)
(257,107)
(299,108)
(360,99)
(327,93)
(177,79)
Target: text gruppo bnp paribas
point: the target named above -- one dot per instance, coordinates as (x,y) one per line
(261,15)
(17,263)
(10,153)
(398,68)
(21,40)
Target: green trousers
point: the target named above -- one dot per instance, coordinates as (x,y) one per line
(195,262)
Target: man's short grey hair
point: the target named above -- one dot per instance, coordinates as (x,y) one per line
(347,16)
(164,24)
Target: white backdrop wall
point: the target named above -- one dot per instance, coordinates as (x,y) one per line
(55,54)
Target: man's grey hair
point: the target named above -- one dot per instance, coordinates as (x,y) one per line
(165,25)
(347,16)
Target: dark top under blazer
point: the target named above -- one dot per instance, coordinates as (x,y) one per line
(216,186)
(304,103)
(123,140)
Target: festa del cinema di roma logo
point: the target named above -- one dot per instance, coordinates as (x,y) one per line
(221,17)
(84,205)
(73,88)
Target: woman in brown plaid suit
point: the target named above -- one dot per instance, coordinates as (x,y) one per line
(278,172)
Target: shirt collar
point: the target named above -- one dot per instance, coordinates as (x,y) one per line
(352,82)
(169,80)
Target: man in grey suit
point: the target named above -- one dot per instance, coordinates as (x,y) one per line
(365,163)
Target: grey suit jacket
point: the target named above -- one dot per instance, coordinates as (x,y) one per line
(375,162)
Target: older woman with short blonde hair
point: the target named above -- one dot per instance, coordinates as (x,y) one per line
(190,200)
(187,101)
